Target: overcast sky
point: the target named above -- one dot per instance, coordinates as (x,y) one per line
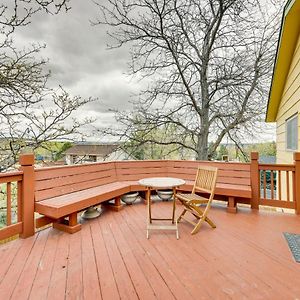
(81,62)
(79,59)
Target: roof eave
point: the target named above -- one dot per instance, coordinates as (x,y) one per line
(285,49)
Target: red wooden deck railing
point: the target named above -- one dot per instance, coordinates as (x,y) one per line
(275,185)
(278,184)
(11,187)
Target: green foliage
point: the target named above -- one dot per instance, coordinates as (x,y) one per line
(2,219)
(52,150)
(156,143)
(264,149)
(222,151)
(61,151)
(267,149)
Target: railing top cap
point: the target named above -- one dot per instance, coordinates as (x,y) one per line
(254,156)
(26,159)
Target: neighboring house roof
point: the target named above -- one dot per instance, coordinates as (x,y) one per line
(99,150)
(290,27)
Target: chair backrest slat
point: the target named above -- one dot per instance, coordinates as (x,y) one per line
(206,179)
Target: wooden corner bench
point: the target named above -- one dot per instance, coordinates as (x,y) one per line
(61,192)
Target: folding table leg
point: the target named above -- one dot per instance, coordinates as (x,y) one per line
(148,198)
(174,204)
(149,205)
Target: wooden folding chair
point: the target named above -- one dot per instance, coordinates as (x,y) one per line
(205,182)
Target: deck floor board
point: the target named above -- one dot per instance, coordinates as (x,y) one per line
(149,259)
(90,276)
(122,277)
(43,275)
(12,276)
(245,257)
(108,286)
(57,284)
(27,277)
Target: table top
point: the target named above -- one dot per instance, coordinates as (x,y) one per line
(161,182)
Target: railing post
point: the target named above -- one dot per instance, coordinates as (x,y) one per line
(254,177)
(27,166)
(297,182)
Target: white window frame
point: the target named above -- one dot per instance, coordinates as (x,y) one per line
(292,118)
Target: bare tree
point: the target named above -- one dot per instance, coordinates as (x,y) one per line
(207,65)
(31,113)
(16,13)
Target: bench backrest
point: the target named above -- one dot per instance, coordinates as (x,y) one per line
(56,181)
(228,173)
(135,170)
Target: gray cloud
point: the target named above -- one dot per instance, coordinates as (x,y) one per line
(79,59)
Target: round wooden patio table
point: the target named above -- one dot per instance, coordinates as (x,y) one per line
(159,183)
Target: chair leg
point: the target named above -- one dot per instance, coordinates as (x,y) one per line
(207,219)
(210,222)
(202,216)
(181,215)
(197,227)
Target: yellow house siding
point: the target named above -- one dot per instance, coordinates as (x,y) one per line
(289,106)
(284,63)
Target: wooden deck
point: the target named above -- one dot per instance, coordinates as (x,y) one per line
(245,257)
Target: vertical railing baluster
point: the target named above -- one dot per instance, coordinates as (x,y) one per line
(265,184)
(19,201)
(293,185)
(288,185)
(279,185)
(8,203)
(272,184)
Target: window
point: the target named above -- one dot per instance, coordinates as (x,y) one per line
(92,158)
(74,159)
(292,133)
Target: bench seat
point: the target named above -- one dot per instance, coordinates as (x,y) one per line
(64,205)
(60,206)
(224,189)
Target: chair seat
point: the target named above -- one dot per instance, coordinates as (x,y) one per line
(191,197)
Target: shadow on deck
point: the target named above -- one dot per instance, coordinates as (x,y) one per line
(246,256)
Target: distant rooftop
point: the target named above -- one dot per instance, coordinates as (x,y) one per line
(97,149)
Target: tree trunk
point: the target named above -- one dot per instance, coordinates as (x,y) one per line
(202,143)
(201,150)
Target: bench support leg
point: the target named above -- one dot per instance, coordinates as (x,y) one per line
(143,195)
(231,206)
(70,226)
(116,206)
(43,221)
